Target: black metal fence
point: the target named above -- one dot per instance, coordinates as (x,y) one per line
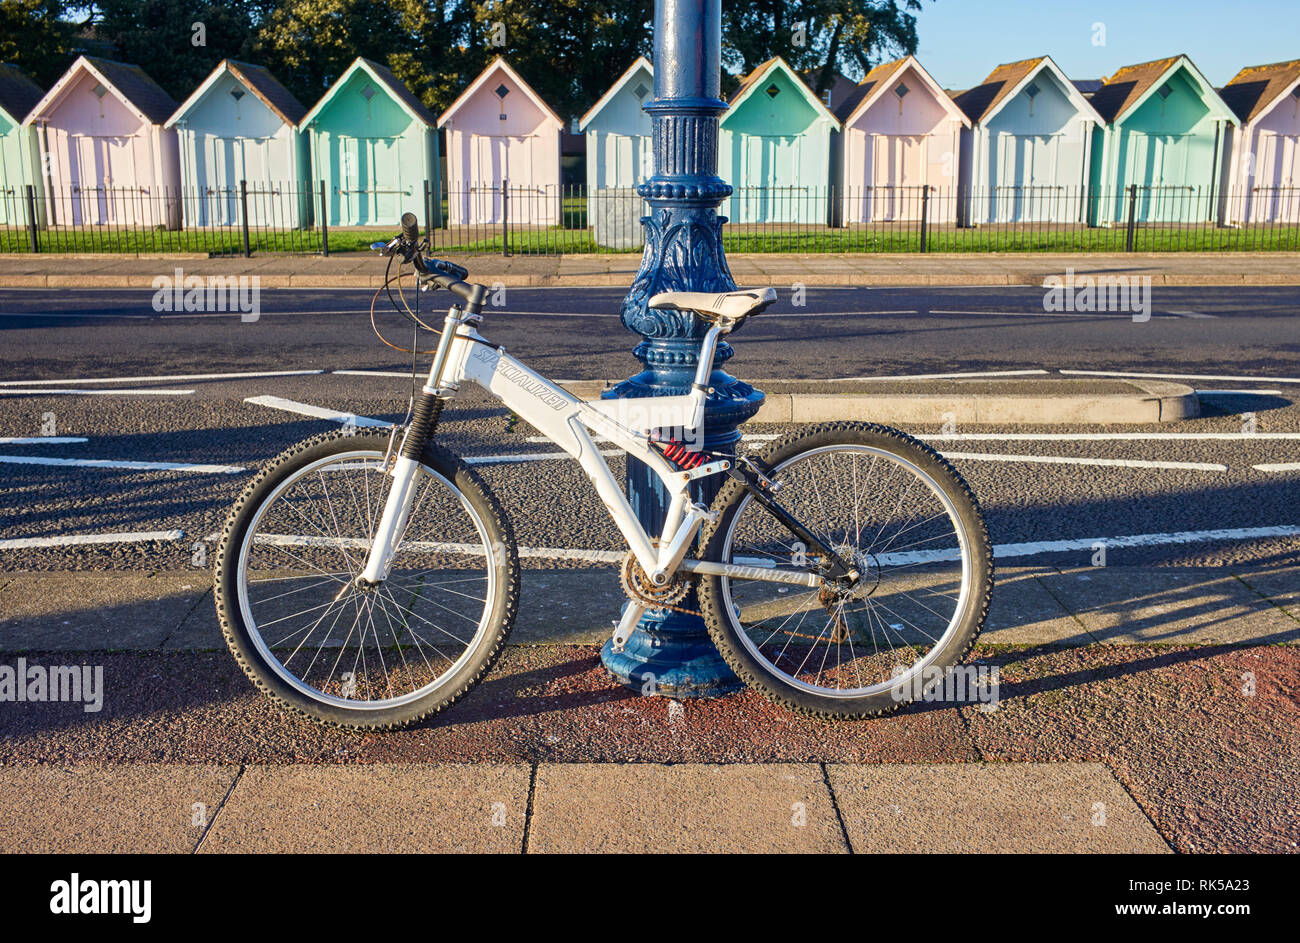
(510,218)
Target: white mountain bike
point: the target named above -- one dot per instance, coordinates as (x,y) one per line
(370,578)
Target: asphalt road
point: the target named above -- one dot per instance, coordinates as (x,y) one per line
(1250,337)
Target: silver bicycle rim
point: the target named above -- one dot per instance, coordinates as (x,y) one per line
(369,460)
(960,607)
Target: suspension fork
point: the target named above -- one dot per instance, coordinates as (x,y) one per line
(424,423)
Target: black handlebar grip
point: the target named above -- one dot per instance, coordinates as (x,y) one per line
(410,228)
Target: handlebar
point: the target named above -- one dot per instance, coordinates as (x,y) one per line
(438,272)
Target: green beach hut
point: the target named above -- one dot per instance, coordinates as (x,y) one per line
(18,160)
(774,148)
(375,145)
(1165,132)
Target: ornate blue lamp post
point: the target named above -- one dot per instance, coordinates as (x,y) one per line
(683,252)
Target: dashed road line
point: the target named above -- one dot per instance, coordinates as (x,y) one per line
(76,540)
(1277,467)
(43,440)
(173,378)
(317,412)
(126,465)
(1180,376)
(1066,460)
(46,391)
(1193,314)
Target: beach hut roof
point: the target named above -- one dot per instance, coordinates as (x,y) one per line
(256,79)
(1127,89)
(1004,83)
(498,64)
(18,93)
(385,77)
(128,83)
(873,85)
(750,83)
(641,63)
(1254,89)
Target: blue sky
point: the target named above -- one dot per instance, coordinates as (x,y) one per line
(962,40)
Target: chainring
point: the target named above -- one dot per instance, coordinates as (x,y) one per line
(637,586)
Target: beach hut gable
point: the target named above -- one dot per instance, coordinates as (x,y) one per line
(887,76)
(500,69)
(1007,83)
(641,71)
(356,76)
(242,76)
(764,86)
(1126,92)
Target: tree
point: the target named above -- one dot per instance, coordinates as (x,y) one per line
(177,43)
(34,37)
(826,35)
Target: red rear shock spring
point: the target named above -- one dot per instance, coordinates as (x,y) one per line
(683,457)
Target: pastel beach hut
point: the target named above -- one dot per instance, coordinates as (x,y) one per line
(501,132)
(1027,152)
(774,147)
(620,155)
(1165,132)
(374,145)
(240,129)
(19,162)
(901,133)
(108,158)
(1263,178)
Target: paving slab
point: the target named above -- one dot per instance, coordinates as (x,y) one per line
(636,808)
(1023,612)
(1170,605)
(395,809)
(1061,808)
(134,809)
(1281,586)
(96,611)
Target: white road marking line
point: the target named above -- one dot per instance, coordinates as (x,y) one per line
(73,540)
(1103,436)
(1282,467)
(372,373)
(1180,376)
(1065,460)
(1034,548)
(1237,392)
(46,391)
(128,465)
(1193,314)
(1046,314)
(43,440)
(174,378)
(317,412)
(1029,549)
(528,457)
(933,376)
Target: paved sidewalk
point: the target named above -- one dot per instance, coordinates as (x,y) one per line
(361,270)
(1138,710)
(1032,606)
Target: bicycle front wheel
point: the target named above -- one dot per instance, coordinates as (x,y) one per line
(897,512)
(378,657)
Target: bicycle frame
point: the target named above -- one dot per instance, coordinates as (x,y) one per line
(572,424)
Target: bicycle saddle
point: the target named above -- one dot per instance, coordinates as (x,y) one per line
(731,306)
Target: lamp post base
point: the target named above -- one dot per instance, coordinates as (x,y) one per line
(670,654)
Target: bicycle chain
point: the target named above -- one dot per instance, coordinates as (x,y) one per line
(637,586)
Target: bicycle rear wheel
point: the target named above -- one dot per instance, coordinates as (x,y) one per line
(895,510)
(382,657)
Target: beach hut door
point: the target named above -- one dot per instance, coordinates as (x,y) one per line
(94,191)
(1277,179)
(1027,186)
(897,175)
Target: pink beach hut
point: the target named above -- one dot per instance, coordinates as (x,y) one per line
(500,131)
(109,159)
